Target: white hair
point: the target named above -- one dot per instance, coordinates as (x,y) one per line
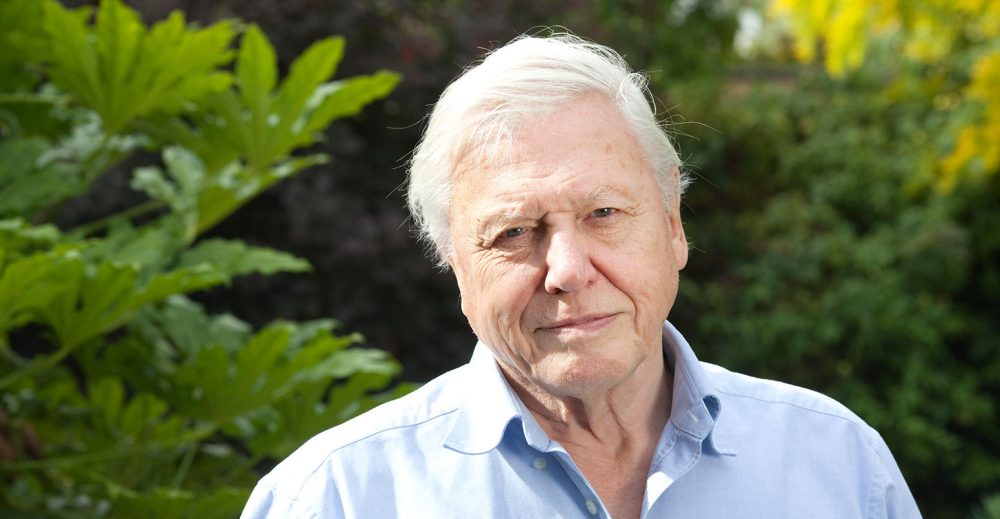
(526,79)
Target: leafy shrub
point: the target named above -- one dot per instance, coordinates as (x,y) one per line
(835,265)
(121,396)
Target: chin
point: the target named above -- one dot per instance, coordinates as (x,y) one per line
(585,376)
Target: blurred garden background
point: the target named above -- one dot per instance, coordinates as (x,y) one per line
(205,257)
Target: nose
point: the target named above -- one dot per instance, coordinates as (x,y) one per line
(568,261)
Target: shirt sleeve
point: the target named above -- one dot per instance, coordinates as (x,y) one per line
(275,498)
(261,504)
(896,500)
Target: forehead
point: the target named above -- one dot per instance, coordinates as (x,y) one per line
(583,151)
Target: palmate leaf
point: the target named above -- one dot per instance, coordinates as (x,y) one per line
(221,386)
(153,247)
(233,258)
(261,125)
(201,199)
(213,387)
(244,136)
(36,174)
(26,185)
(98,299)
(122,70)
(234,186)
(256,73)
(28,283)
(314,407)
(343,99)
(80,301)
(185,325)
(20,38)
(18,239)
(180,191)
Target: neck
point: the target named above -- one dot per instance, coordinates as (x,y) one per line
(611,435)
(618,419)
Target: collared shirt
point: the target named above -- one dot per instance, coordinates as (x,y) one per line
(464,445)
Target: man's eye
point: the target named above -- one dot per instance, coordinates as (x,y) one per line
(604,212)
(514,231)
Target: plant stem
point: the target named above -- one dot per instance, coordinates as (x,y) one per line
(96,457)
(182,470)
(36,367)
(141,209)
(12,97)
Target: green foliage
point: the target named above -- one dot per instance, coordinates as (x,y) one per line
(990,508)
(123,71)
(842,276)
(261,125)
(121,397)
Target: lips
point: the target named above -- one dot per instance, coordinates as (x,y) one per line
(586,323)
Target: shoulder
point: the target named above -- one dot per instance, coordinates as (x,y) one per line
(397,423)
(776,402)
(813,436)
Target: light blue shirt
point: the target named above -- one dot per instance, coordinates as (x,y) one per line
(464,445)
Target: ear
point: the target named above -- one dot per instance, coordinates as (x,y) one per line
(459,273)
(678,240)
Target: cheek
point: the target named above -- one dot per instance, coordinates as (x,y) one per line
(644,270)
(495,294)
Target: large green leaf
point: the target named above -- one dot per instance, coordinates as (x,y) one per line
(185,325)
(232,258)
(122,70)
(262,126)
(29,283)
(18,239)
(316,65)
(80,301)
(180,191)
(137,394)
(220,386)
(235,186)
(257,72)
(312,408)
(36,174)
(244,137)
(212,387)
(21,41)
(343,99)
(154,247)
(27,186)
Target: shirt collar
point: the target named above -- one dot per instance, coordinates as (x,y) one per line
(490,405)
(696,406)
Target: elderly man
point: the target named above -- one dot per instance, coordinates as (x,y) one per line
(545,183)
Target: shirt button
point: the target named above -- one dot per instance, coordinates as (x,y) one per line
(591,507)
(540,463)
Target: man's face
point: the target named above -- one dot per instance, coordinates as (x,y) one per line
(565,255)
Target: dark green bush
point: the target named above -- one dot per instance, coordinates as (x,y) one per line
(826,260)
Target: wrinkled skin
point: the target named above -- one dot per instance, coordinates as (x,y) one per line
(566,257)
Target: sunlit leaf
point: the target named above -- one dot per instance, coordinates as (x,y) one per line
(232,258)
(122,70)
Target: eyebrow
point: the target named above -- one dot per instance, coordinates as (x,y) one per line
(490,225)
(603,192)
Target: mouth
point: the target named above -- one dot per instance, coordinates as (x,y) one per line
(586,324)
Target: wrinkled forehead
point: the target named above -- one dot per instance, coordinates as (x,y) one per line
(585,151)
(497,137)
(492,137)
